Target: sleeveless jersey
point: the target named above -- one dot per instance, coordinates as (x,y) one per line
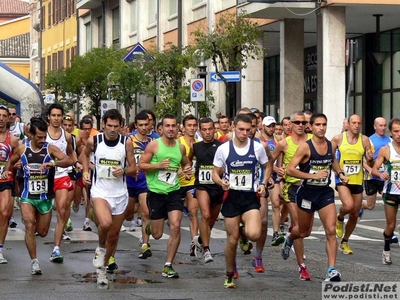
(5,154)
(164,181)
(242,170)
(138,149)
(316,163)
(182,180)
(350,159)
(291,150)
(205,153)
(37,184)
(108,154)
(60,143)
(392,186)
(377,143)
(18,130)
(73,138)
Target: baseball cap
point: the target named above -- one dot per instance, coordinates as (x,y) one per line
(268,120)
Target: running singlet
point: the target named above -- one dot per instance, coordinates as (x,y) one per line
(291,150)
(61,143)
(164,181)
(37,184)
(316,163)
(392,186)
(108,155)
(5,154)
(138,149)
(18,130)
(182,180)
(73,138)
(351,159)
(377,143)
(205,153)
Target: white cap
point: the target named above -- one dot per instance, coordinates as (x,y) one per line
(268,120)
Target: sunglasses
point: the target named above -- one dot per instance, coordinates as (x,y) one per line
(300,122)
(13,114)
(68,118)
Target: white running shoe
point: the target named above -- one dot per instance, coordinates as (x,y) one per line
(386,258)
(198,250)
(86,226)
(2,259)
(207,256)
(35,268)
(101,276)
(98,260)
(133,226)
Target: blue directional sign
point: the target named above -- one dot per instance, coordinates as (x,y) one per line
(230,76)
(137,51)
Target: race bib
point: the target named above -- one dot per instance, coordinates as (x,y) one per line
(241,180)
(168,176)
(306,204)
(138,155)
(105,168)
(38,184)
(317,182)
(2,165)
(194,164)
(352,167)
(395,174)
(205,174)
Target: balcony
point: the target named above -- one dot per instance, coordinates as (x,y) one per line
(88,4)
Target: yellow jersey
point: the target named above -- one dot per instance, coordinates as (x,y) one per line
(350,158)
(182,180)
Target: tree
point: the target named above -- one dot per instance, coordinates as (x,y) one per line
(169,68)
(232,42)
(88,76)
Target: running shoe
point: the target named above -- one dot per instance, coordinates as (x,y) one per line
(3,261)
(229,283)
(101,276)
(68,226)
(207,256)
(56,257)
(339,227)
(35,268)
(303,273)
(244,242)
(12,222)
(86,226)
(75,207)
(332,275)
(258,264)
(111,265)
(345,248)
(169,272)
(65,237)
(141,241)
(285,252)
(145,252)
(220,216)
(132,227)
(198,250)
(360,213)
(139,222)
(185,211)
(386,258)
(192,248)
(394,239)
(282,229)
(148,228)
(98,260)
(277,239)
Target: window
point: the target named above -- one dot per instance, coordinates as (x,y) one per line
(54,62)
(88,31)
(116,30)
(60,59)
(42,17)
(67,58)
(133,23)
(152,12)
(173,7)
(100,35)
(49,63)
(42,71)
(73,52)
(63,9)
(49,15)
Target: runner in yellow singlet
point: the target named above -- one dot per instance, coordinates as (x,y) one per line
(352,146)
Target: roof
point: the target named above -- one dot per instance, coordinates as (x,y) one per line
(13,7)
(16,46)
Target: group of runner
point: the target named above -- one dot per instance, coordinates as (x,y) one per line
(235,170)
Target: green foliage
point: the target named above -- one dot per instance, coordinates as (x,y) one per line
(55,81)
(232,42)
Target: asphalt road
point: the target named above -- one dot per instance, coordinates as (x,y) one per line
(141,279)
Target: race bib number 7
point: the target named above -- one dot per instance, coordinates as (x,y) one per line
(168,176)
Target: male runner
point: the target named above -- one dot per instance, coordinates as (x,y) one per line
(223,122)
(108,185)
(390,157)
(352,146)
(161,161)
(63,187)
(238,160)
(314,160)
(38,162)
(208,194)
(8,143)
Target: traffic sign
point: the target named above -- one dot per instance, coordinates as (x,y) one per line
(197,90)
(230,76)
(137,50)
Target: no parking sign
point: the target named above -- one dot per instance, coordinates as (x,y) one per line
(197,90)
